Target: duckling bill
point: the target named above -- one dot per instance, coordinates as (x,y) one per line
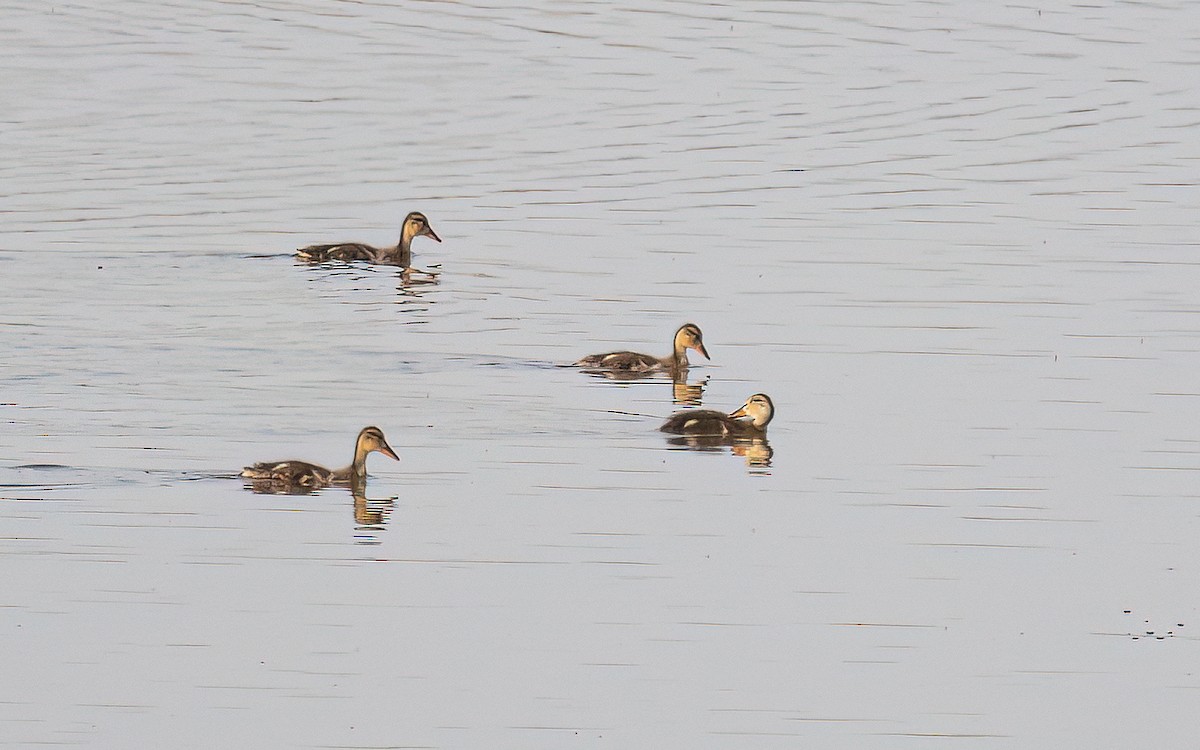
(748,421)
(305,477)
(415,225)
(687,337)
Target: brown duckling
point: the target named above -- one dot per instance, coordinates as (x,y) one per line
(758,408)
(302,475)
(415,225)
(687,337)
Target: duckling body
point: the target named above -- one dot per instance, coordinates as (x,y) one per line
(301,475)
(415,225)
(707,422)
(348,251)
(687,337)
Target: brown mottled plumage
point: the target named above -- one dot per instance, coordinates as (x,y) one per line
(415,225)
(758,408)
(687,337)
(303,476)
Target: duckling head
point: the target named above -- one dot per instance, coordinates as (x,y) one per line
(372,439)
(416,225)
(689,337)
(759,408)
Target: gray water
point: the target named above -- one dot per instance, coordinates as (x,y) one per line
(955,242)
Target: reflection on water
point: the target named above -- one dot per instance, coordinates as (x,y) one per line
(370,514)
(267,486)
(363,284)
(756,451)
(413,276)
(406,278)
(688,394)
(683,393)
(622,376)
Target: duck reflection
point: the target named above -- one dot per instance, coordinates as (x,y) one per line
(756,451)
(688,394)
(683,393)
(370,514)
(410,280)
(416,277)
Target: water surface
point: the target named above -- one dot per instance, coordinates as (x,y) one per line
(954,242)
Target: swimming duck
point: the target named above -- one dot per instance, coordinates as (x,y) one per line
(305,476)
(687,337)
(758,408)
(415,225)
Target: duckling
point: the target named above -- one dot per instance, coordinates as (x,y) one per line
(415,225)
(758,408)
(687,337)
(302,475)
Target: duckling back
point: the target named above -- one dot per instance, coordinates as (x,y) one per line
(623,361)
(290,473)
(700,422)
(344,251)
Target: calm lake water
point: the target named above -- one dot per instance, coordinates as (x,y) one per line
(955,242)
